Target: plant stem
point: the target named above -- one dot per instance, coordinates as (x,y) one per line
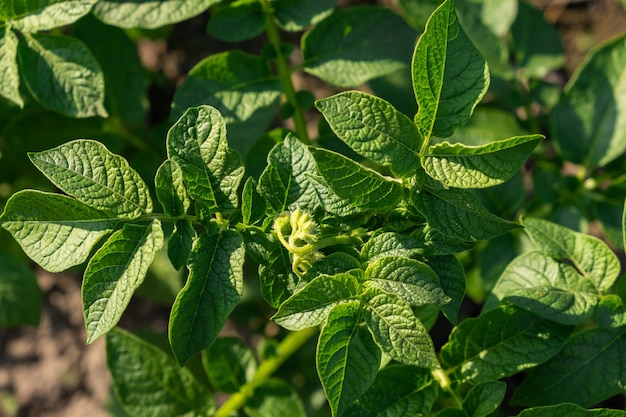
(445,384)
(286,348)
(284,74)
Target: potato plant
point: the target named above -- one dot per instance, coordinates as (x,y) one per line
(443,182)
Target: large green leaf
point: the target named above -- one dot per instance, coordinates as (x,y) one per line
(62,74)
(500,343)
(374,129)
(212,291)
(587,370)
(295,15)
(9,75)
(347,357)
(20,296)
(89,172)
(285,182)
(239,85)
(149,383)
(310,306)
(229,363)
(593,108)
(170,189)
(461,166)
(148,14)
(356,44)
(39,15)
(361,186)
(414,396)
(55,231)
(396,329)
(212,172)
(113,274)
(570,410)
(449,75)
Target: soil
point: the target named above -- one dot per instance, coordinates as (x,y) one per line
(48,371)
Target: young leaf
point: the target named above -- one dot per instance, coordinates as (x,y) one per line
(285,182)
(113,274)
(449,75)
(278,281)
(591,257)
(374,129)
(361,186)
(459,214)
(386,397)
(586,371)
(295,15)
(592,108)
(213,289)
(19,284)
(55,231)
(229,363)
(274,398)
(347,357)
(500,343)
(461,166)
(212,172)
(180,243)
(240,86)
(146,14)
(237,21)
(253,205)
(89,172)
(148,382)
(552,290)
(9,75)
(452,279)
(170,189)
(414,281)
(483,399)
(396,329)
(62,75)
(310,306)
(355,45)
(570,410)
(41,15)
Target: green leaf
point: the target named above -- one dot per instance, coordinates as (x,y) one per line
(500,343)
(180,243)
(237,21)
(390,244)
(20,296)
(240,86)
(212,291)
(611,311)
(296,15)
(113,274)
(89,172)
(62,75)
(461,166)
(591,257)
(552,290)
(586,371)
(497,15)
(148,382)
(55,231)
(459,214)
(592,108)
(388,398)
(148,14)
(229,363)
(9,72)
(414,281)
(437,243)
(170,189)
(347,357)
(374,129)
(570,410)
(40,15)
(311,305)
(483,399)
(212,172)
(354,45)
(451,412)
(253,205)
(396,330)
(278,281)
(285,182)
(335,263)
(452,279)
(274,398)
(449,75)
(361,186)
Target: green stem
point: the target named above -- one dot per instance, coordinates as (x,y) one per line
(284,74)
(286,348)
(444,382)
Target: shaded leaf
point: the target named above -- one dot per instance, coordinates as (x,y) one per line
(295,15)
(237,21)
(229,363)
(274,398)
(483,399)
(21,298)
(570,410)
(9,72)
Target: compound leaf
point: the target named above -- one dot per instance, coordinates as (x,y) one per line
(113,274)
(89,172)
(212,291)
(40,15)
(55,231)
(9,72)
